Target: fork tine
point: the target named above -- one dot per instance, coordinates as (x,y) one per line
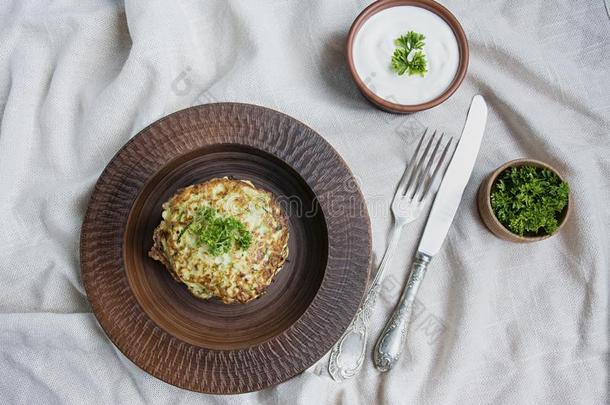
(414,179)
(439,164)
(406,176)
(424,176)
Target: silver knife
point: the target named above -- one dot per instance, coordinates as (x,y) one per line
(390,342)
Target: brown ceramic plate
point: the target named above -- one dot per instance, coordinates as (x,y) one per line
(429,5)
(208,346)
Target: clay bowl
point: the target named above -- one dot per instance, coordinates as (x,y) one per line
(486,212)
(428,5)
(205,345)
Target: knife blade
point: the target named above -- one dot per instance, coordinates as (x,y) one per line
(456,177)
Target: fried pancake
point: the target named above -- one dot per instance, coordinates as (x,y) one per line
(239,273)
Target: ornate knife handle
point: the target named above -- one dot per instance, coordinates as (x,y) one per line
(392,339)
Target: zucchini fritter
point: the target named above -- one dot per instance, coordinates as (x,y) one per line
(223,238)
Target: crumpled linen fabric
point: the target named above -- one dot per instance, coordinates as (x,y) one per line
(495,322)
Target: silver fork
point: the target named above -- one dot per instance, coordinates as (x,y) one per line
(413,191)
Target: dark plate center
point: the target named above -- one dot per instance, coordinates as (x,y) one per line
(210,323)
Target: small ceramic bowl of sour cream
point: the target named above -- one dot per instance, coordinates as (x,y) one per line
(371,44)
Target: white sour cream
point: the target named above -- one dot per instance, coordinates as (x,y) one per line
(374,45)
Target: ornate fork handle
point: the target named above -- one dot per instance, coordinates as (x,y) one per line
(359,326)
(392,339)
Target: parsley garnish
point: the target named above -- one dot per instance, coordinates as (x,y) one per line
(408,56)
(218,233)
(528,200)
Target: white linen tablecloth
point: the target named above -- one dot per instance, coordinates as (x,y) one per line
(495,322)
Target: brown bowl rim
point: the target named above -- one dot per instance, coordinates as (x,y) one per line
(429,5)
(486,212)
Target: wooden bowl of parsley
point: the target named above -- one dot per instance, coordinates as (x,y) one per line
(524,200)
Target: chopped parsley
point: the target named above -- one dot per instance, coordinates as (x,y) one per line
(528,200)
(219,234)
(408,56)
